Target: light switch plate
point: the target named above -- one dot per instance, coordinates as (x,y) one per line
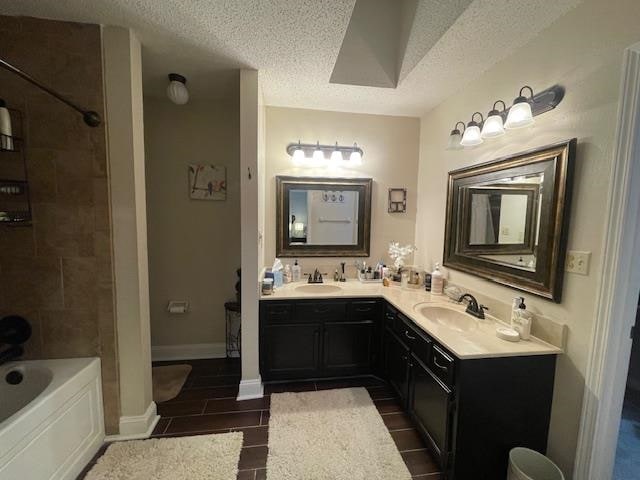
(577,262)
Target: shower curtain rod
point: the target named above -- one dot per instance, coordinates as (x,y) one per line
(90,117)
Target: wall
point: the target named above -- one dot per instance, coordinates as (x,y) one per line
(251,160)
(390,147)
(194,245)
(123,88)
(58,272)
(581,51)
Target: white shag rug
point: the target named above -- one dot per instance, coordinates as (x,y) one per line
(330,435)
(202,457)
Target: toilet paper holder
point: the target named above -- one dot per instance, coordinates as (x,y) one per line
(178,306)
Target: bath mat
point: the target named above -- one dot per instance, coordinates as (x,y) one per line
(202,457)
(330,435)
(168,381)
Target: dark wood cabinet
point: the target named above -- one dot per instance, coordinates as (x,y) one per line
(292,350)
(348,348)
(397,365)
(470,412)
(312,339)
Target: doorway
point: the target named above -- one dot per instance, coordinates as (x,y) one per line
(627,462)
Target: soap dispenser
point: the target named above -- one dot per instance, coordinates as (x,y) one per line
(437,280)
(522,320)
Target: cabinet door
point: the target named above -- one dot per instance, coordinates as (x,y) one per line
(397,365)
(430,407)
(291,351)
(348,348)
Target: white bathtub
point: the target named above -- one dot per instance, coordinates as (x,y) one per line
(51,423)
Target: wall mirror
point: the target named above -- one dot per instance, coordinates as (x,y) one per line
(507,220)
(323,217)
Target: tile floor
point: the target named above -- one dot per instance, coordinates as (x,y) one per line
(207,404)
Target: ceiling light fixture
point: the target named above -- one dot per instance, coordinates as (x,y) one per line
(472,135)
(177,89)
(520,114)
(493,125)
(455,137)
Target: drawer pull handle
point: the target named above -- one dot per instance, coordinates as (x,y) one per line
(321,309)
(406,334)
(363,309)
(440,366)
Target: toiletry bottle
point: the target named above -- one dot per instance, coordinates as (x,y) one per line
(515,305)
(5,127)
(437,280)
(288,274)
(523,320)
(296,271)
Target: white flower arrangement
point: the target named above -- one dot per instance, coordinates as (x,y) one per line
(398,253)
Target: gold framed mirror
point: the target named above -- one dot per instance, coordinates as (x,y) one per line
(507,220)
(323,217)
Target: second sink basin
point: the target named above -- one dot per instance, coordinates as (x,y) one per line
(318,288)
(448,317)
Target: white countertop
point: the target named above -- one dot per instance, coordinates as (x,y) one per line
(480,342)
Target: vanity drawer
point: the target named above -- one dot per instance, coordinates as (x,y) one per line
(277,312)
(441,365)
(364,310)
(321,311)
(421,346)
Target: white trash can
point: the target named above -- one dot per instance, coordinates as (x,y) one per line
(527,464)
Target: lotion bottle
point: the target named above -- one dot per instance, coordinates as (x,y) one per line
(437,280)
(296,272)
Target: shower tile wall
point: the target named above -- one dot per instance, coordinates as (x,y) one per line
(58,273)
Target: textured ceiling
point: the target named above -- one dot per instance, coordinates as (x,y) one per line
(295,44)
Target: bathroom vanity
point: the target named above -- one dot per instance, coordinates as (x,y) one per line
(472,396)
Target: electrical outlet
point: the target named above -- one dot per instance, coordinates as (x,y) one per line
(577,262)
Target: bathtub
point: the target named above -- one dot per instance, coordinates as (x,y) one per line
(51,422)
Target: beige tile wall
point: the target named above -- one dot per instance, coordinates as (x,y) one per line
(58,273)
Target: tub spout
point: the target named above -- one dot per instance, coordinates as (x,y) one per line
(12,353)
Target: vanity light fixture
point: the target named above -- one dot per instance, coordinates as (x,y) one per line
(472,135)
(336,156)
(455,137)
(356,155)
(298,154)
(317,155)
(520,114)
(493,125)
(177,89)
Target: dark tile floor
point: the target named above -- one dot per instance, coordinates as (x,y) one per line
(207,404)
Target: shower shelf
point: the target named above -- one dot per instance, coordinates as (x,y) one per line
(15,203)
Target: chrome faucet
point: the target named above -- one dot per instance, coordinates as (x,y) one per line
(473,307)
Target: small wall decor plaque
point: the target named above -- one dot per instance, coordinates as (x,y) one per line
(397,200)
(207,182)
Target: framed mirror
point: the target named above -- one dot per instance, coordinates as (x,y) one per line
(507,220)
(323,217)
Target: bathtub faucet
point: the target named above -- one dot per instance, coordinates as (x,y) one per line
(12,353)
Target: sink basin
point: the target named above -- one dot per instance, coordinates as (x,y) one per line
(447,317)
(318,288)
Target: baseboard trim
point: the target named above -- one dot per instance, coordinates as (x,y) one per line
(190,351)
(250,389)
(137,427)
